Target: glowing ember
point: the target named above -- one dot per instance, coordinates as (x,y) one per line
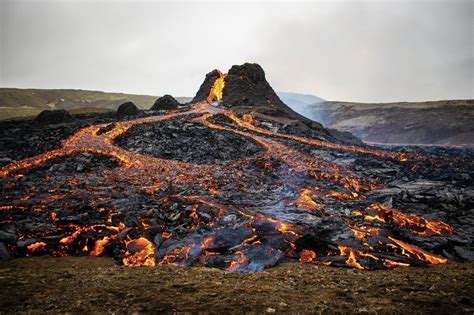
(166,235)
(351,255)
(99,246)
(242,261)
(306,202)
(421,226)
(416,252)
(140,252)
(307,256)
(36,247)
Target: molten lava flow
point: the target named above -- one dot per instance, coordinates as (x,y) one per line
(88,140)
(402,157)
(36,247)
(100,246)
(306,202)
(307,256)
(140,252)
(217,89)
(240,262)
(351,255)
(286,228)
(365,232)
(421,226)
(68,240)
(176,256)
(195,214)
(418,253)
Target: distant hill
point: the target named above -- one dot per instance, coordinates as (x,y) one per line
(29,102)
(291,99)
(299,102)
(448,122)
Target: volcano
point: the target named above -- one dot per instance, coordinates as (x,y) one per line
(234,180)
(245,88)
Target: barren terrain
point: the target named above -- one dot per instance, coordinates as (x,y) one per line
(439,122)
(88,284)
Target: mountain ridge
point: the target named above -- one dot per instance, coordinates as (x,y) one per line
(445,122)
(17,102)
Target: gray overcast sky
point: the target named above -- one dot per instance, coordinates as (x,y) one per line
(368,51)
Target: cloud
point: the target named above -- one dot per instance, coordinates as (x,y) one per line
(339,50)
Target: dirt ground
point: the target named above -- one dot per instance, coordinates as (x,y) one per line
(87,284)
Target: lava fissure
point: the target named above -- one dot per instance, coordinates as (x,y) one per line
(216,92)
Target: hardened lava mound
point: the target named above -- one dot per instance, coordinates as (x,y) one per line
(221,187)
(187,141)
(75,164)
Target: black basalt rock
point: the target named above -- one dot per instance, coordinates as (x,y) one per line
(4,254)
(127,109)
(246,88)
(245,85)
(166,102)
(58,116)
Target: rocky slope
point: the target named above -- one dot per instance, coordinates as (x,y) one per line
(247,90)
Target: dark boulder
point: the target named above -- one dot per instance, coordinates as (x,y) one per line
(127,109)
(166,102)
(4,254)
(54,117)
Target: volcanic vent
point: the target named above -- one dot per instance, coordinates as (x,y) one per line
(236,181)
(243,85)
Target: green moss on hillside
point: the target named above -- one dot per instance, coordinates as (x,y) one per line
(69,99)
(29,102)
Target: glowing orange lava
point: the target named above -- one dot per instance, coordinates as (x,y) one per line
(217,90)
(153,174)
(140,252)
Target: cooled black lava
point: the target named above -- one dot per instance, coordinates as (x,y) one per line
(186,141)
